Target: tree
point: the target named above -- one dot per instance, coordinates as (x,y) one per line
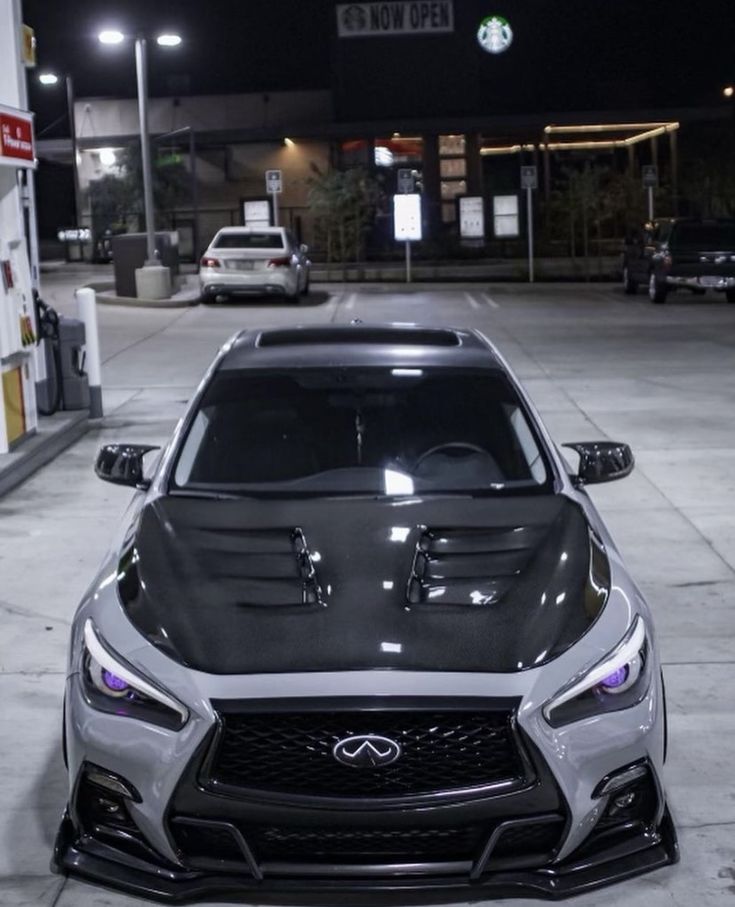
(343,203)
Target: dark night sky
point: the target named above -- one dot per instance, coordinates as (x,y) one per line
(567,55)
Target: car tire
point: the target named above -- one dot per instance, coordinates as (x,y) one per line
(206,299)
(730,295)
(657,291)
(630,286)
(305,291)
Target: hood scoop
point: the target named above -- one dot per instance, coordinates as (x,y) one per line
(469,566)
(248,568)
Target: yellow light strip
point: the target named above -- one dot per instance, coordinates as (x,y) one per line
(652,133)
(507,149)
(586,146)
(604,127)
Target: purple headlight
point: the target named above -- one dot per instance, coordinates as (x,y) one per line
(115,683)
(616,679)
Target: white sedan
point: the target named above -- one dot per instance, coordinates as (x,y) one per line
(254,261)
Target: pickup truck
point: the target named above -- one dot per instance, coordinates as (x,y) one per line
(669,253)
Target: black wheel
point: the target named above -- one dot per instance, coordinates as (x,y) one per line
(657,291)
(730,295)
(630,286)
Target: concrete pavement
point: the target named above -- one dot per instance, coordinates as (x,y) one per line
(597,363)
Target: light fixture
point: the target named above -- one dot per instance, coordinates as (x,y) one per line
(48,78)
(111,36)
(107,157)
(168,40)
(728,91)
(289,143)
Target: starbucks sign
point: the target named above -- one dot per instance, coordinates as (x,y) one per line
(495,34)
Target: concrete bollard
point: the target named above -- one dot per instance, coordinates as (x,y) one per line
(87,302)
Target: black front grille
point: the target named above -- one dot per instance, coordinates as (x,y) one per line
(371,845)
(292,753)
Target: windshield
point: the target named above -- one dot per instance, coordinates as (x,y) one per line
(704,236)
(249,241)
(360,431)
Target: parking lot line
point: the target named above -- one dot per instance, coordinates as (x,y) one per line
(472,301)
(490,301)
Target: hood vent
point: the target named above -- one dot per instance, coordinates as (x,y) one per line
(473,567)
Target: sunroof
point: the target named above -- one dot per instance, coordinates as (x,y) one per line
(350,334)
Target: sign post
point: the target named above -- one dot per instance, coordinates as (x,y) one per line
(529,182)
(649,176)
(405,180)
(274,186)
(407,223)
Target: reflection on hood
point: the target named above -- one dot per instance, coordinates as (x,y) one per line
(443,584)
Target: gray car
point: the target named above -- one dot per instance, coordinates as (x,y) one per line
(362,628)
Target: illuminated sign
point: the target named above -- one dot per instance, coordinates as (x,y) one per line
(471,217)
(407,217)
(401,17)
(495,34)
(16,138)
(505,215)
(257,213)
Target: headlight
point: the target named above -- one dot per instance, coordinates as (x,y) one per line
(619,681)
(112,685)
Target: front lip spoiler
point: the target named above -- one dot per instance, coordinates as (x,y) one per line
(97,863)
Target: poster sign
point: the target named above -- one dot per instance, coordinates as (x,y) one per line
(405,180)
(407,217)
(505,215)
(257,213)
(471,217)
(401,17)
(16,138)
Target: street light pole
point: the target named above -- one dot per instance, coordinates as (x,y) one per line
(74,151)
(141,70)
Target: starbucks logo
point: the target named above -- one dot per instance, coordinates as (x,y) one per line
(495,34)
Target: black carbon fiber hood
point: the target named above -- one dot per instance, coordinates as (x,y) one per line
(445,584)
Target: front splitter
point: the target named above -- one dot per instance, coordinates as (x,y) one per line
(172,885)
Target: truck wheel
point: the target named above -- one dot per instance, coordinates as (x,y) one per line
(630,286)
(657,291)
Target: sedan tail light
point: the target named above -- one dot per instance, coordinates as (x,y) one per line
(208,262)
(279,262)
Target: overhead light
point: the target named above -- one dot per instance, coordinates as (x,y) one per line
(728,91)
(111,36)
(289,143)
(107,157)
(169,40)
(48,78)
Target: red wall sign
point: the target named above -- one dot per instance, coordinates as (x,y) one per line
(16,137)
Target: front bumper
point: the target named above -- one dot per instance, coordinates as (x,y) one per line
(599,864)
(702,282)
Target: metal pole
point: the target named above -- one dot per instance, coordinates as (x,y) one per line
(87,302)
(275,209)
(145,148)
(529,219)
(408,262)
(194,193)
(650,202)
(74,152)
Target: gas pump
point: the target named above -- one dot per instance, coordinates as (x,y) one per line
(18,415)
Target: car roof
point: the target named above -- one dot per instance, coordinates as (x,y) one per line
(359,344)
(251,230)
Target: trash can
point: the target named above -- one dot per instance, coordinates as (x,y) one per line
(74,382)
(129,252)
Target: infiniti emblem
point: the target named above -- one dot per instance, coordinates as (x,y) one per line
(366,751)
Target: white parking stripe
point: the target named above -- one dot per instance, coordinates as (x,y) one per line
(490,301)
(472,301)
(350,304)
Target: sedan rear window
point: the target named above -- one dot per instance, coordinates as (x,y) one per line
(361,431)
(249,241)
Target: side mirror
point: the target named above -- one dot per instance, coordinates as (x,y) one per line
(122,464)
(602,461)
(304,248)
